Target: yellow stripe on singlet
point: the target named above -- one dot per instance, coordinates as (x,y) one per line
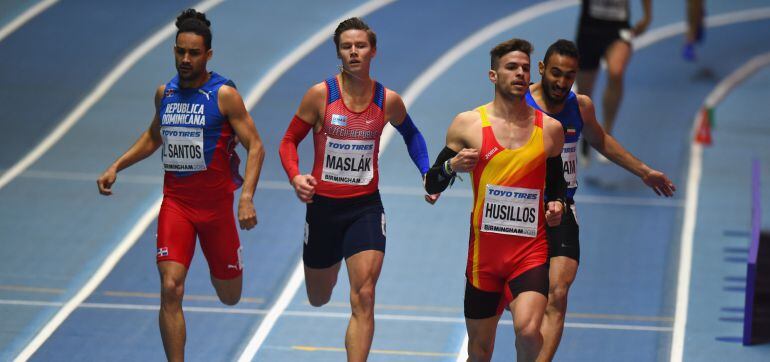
(507,168)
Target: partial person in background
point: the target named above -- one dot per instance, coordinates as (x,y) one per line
(198,114)
(605,32)
(695,14)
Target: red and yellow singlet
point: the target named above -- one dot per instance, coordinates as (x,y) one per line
(508,221)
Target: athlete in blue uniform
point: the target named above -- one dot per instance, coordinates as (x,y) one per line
(197,116)
(553,96)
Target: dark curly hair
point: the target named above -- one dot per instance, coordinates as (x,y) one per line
(562,47)
(191,21)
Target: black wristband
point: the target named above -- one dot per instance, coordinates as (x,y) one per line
(439,177)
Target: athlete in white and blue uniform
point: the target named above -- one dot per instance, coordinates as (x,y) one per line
(553,96)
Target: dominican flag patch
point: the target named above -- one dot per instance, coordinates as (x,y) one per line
(163,251)
(169,92)
(570,131)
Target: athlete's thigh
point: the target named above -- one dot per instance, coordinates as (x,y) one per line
(176,233)
(617,56)
(482,332)
(321,280)
(364,268)
(528,307)
(562,270)
(219,240)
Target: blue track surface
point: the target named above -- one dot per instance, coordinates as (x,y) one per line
(57,231)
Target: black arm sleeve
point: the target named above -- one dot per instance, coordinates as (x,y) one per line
(555,185)
(437,180)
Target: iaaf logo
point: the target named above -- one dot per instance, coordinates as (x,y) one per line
(512,194)
(339,120)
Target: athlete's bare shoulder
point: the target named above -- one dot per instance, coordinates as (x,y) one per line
(393,99)
(313,103)
(587,109)
(584,101)
(227,92)
(467,119)
(317,90)
(463,130)
(159,93)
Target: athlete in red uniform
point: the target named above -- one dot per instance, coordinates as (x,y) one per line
(197,115)
(345,217)
(513,153)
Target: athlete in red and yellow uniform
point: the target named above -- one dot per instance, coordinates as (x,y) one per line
(507,223)
(513,153)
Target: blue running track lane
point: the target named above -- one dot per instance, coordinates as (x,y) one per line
(722,235)
(57,230)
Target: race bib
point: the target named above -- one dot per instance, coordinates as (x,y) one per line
(510,211)
(349,162)
(183,149)
(569,159)
(611,10)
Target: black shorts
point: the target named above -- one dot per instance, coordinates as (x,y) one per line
(564,240)
(337,228)
(592,43)
(481,304)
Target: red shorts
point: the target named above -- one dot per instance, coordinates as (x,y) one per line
(212,221)
(498,263)
(494,270)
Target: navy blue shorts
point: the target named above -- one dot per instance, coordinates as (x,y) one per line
(337,228)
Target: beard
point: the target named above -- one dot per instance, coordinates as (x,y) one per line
(186,72)
(550,97)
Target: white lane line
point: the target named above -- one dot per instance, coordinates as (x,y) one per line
(96,279)
(30,303)
(24,17)
(691,210)
(276,310)
(675,29)
(94,96)
(318,314)
(418,86)
(462,354)
(297,276)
